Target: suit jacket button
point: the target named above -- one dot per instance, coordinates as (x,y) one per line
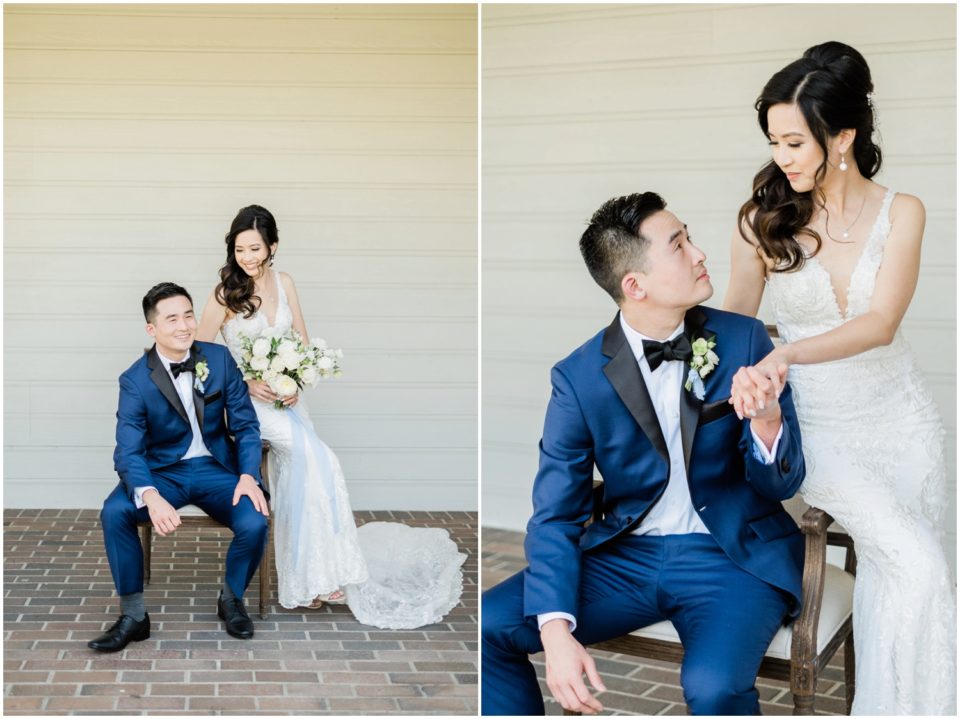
(629,520)
(784,465)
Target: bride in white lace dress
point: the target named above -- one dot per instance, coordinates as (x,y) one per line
(839,256)
(390,575)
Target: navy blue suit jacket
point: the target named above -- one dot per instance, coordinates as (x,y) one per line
(152,426)
(600,415)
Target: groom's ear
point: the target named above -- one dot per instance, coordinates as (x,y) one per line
(632,286)
(151,330)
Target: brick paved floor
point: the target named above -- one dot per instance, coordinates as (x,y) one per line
(637,686)
(58,594)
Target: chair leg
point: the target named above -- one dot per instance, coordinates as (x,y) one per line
(265,572)
(146,540)
(802,705)
(803,686)
(849,671)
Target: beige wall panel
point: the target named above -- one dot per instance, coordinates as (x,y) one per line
(582,103)
(163,167)
(218,29)
(133,134)
(400,103)
(240,69)
(265,134)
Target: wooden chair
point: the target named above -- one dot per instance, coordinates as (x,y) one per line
(191,516)
(799,652)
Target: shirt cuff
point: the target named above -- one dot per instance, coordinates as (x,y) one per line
(760,451)
(138,496)
(544,618)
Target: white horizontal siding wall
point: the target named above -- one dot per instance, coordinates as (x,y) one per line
(133,134)
(582,103)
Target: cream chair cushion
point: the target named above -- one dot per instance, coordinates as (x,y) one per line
(837,606)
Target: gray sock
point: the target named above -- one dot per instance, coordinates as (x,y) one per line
(227,592)
(132,606)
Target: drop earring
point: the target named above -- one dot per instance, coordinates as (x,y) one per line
(843,163)
(271,260)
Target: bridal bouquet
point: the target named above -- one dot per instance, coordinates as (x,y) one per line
(285,363)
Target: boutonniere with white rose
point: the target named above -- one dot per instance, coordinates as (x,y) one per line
(702,363)
(200,374)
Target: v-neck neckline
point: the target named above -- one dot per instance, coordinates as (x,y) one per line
(842,312)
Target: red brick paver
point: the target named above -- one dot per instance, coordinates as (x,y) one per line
(58,594)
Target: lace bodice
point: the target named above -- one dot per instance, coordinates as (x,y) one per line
(253,326)
(805,303)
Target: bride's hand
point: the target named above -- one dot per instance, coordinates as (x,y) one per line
(291,400)
(771,366)
(261,390)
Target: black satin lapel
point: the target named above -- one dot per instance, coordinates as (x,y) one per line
(693,322)
(198,403)
(161,378)
(624,374)
(689,404)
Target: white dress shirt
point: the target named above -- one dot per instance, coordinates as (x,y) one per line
(674,512)
(184,386)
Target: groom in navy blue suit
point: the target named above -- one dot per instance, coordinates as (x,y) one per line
(179,405)
(693,530)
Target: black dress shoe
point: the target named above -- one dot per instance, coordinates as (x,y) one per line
(235,616)
(125,630)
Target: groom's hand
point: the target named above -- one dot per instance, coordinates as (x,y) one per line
(567,661)
(164,517)
(248,487)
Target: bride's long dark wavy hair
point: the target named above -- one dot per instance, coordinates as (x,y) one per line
(831,85)
(235,291)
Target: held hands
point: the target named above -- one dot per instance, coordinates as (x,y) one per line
(261,390)
(164,517)
(248,487)
(755,390)
(567,661)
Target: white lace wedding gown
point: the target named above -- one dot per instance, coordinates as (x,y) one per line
(873,445)
(394,576)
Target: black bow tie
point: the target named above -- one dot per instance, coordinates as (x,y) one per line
(188,365)
(676,349)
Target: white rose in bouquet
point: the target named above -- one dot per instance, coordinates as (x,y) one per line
(277,364)
(261,348)
(310,376)
(284,385)
(259,364)
(319,343)
(291,360)
(286,347)
(325,363)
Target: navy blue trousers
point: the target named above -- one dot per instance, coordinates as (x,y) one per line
(201,481)
(726,619)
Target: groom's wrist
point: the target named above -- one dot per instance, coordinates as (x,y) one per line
(766,430)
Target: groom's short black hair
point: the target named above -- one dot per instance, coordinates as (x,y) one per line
(612,244)
(163,291)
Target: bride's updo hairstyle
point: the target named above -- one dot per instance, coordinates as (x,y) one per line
(831,86)
(235,291)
